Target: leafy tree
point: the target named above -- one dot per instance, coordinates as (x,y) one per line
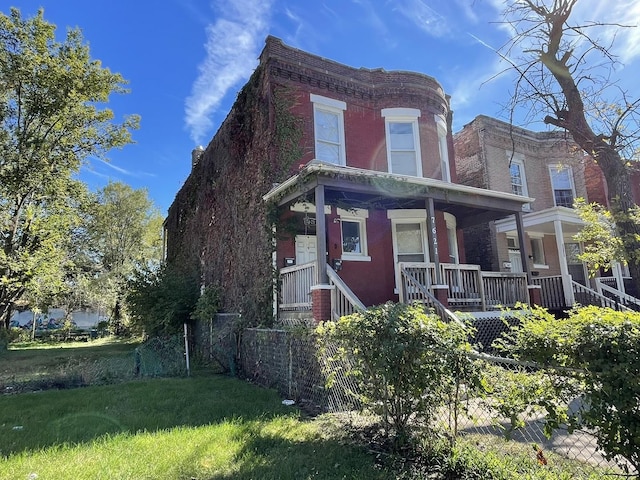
(161,300)
(602,246)
(50,122)
(565,74)
(123,234)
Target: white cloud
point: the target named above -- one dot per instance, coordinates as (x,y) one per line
(233,44)
(624,20)
(424,17)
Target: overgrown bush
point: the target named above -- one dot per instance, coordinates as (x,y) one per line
(594,360)
(159,302)
(406,361)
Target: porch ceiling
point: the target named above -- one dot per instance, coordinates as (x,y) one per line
(360,188)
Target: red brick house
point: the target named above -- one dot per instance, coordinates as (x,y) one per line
(329,188)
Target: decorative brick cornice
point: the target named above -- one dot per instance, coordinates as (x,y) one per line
(366,84)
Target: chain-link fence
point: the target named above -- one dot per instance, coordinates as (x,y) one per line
(287,360)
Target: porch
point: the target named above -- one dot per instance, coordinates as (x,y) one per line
(460,287)
(465,288)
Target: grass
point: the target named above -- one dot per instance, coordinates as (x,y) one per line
(205,428)
(211,427)
(34,359)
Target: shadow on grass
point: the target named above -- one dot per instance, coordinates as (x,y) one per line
(266,455)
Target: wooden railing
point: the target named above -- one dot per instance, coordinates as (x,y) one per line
(343,300)
(417,292)
(295,286)
(552,292)
(504,289)
(611,292)
(587,296)
(468,286)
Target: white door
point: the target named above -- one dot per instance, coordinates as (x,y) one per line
(516,261)
(409,244)
(305,249)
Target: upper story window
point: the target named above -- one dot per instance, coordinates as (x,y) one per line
(441,124)
(562,185)
(518,178)
(403,141)
(328,122)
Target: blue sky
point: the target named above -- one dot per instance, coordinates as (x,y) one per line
(187,59)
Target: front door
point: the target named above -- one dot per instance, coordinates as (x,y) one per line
(515,260)
(409,244)
(574,265)
(305,249)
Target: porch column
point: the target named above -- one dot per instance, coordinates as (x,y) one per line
(433,238)
(567,287)
(616,271)
(524,248)
(321,238)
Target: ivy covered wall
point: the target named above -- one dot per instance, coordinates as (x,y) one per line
(219,224)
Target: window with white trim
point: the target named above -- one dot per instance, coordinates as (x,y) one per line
(403,141)
(353,230)
(328,127)
(518,178)
(562,184)
(443,148)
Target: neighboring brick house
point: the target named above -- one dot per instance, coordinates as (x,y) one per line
(370,148)
(546,166)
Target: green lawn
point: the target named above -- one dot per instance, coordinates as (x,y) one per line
(204,428)
(33,360)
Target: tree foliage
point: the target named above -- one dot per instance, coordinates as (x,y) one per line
(565,75)
(120,234)
(602,245)
(50,122)
(593,360)
(160,301)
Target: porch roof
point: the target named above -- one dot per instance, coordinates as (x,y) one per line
(373,189)
(543,221)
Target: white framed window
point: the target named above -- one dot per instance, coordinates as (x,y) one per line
(443,148)
(562,184)
(353,231)
(328,127)
(403,141)
(537,252)
(518,177)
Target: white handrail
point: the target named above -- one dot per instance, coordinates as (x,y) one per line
(604,301)
(621,295)
(343,300)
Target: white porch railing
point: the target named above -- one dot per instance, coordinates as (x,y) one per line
(608,288)
(295,287)
(552,291)
(468,286)
(588,296)
(343,300)
(504,289)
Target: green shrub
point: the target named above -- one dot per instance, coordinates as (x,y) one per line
(593,357)
(406,361)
